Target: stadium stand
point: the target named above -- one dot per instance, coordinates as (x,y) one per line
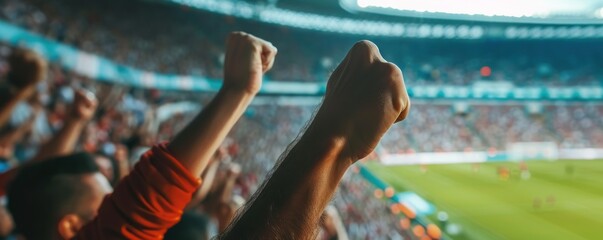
(141,40)
(155,37)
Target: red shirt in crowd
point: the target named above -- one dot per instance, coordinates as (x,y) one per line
(147,202)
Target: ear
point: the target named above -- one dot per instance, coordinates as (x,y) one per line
(69,225)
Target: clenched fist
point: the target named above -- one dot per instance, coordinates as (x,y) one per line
(84,105)
(365,96)
(247,59)
(27,68)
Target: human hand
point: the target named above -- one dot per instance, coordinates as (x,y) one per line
(365,96)
(27,68)
(247,59)
(84,105)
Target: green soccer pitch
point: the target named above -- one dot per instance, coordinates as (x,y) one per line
(560,200)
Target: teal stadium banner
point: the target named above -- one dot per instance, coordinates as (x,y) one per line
(103,69)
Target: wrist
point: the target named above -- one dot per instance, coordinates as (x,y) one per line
(237,94)
(240,89)
(75,121)
(20,93)
(330,147)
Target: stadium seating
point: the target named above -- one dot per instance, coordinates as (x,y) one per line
(134,117)
(193,46)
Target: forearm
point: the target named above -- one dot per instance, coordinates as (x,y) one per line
(195,144)
(147,202)
(289,206)
(63,142)
(208,180)
(9,100)
(6,109)
(124,168)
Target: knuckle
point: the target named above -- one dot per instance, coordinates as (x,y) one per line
(248,37)
(237,34)
(390,70)
(364,47)
(254,46)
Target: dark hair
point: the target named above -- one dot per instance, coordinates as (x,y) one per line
(43,192)
(192,226)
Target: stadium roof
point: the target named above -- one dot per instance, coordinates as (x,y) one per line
(533,11)
(323,16)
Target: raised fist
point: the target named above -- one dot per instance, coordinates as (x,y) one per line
(365,96)
(27,68)
(247,59)
(84,105)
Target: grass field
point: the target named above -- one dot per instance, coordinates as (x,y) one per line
(487,207)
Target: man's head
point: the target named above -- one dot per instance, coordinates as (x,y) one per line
(192,226)
(57,197)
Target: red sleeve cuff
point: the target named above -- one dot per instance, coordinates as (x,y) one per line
(147,202)
(178,175)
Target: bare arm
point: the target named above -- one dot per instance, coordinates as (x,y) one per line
(26,70)
(365,96)
(121,156)
(9,98)
(220,203)
(153,196)
(65,140)
(247,58)
(208,180)
(15,134)
(333,225)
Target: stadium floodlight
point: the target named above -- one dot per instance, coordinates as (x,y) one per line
(424,30)
(486,10)
(511,32)
(437,31)
(599,13)
(450,32)
(508,8)
(589,31)
(463,31)
(562,32)
(548,32)
(523,32)
(476,32)
(536,32)
(356,26)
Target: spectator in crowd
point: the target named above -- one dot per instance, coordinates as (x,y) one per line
(192,226)
(291,201)
(39,118)
(170,170)
(184,157)
(131,34)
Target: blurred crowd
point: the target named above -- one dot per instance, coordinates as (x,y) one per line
(165,38)
(168,39)
(129,121)
(491,127)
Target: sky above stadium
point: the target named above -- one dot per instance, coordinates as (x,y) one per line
(506,8)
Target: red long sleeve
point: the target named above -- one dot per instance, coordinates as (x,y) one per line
(147,202)
(5,179)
